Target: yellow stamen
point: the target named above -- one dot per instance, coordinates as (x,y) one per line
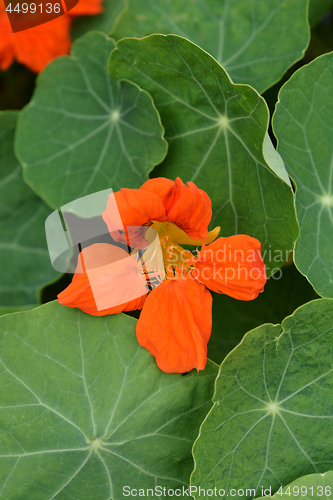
(171,238)
(175,234)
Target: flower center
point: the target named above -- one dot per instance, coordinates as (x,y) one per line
(171,238)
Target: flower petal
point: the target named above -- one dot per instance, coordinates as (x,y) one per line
(107,281)
(232,266)
(188,206)
(175,325)
(161,186)
(6,41)
(135,209)
(38,46)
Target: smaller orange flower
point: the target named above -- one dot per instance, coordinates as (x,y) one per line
(37,46)
(176,318)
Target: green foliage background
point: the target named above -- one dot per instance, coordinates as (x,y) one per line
(235,95)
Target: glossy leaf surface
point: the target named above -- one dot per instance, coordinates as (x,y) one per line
(85,132)
(254,41)
(303,126)
(272,417)
(216,131)
(85,410)
(25,262)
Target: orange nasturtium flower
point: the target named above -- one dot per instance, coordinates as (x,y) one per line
(37,46)
(176,318)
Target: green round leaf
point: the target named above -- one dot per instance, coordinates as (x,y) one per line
(83,131)
(286,290)
(13,309)
(255,42)
(273,412)
(310,487)
(303,126)
(26,264)
(86,411)
(216,132)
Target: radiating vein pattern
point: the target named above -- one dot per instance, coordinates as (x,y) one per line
(85,131)
(273,413)
(85,411)
(215,131)
(23,246)
(303,126)
(254,41)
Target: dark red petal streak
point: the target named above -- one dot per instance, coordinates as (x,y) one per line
(232,266)
(175,325)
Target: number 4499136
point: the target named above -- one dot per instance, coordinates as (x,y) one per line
(24,8)
(313,491)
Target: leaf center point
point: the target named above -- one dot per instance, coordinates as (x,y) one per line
(115,115)
(273,407)
(223,122)
(95,444)
(327,200)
